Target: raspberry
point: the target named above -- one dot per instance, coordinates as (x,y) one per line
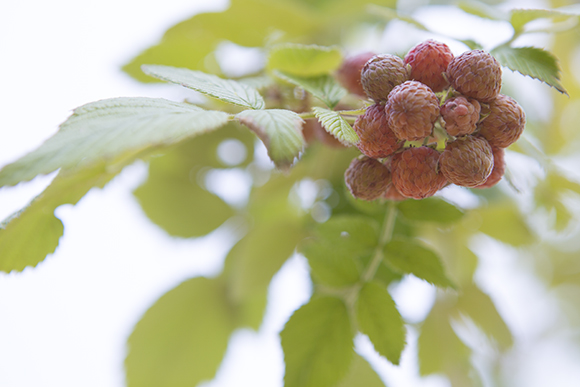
(393,194)
(414,172)
(498,168)
(412,109)
(377,140)
(349,72)
(428,61)
(475,74)
(460,115)
(367,178)
(381,73)
(505,122)
(467,161)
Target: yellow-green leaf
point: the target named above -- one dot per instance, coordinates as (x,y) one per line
(304,60)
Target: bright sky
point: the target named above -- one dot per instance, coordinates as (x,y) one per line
(65,322)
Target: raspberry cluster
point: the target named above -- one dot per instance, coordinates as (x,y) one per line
(436,120)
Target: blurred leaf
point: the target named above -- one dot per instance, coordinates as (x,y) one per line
(532,61)
(28,236)
(520,17)
(182,338)
(410,257)
(441,351)
(246,23)
(171,196)
(254,260)
(336,125)
(356,235)
(323,87)
(380,320)
(391,14)
(430,210)
(304,60)
(482,311)
(317,343)
(280,130)
(505,223)
(482,10)
(359,374)
(111,129)
(385,275)
(329,265)
(226,90)
(548,194)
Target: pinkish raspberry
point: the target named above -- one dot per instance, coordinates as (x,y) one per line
(460,115)
(504,124)
(393,194)
(412,109)
(428,61)
(349,73)
(415,174)
(475,74)
(367,178)
(498,168)
(377,140)
(381,73)
(467,161)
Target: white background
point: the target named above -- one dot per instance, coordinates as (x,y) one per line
(65,322)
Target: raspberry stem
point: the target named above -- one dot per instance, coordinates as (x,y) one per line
(386,236)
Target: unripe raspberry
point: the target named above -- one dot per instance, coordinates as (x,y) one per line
(467,161)
(428,61)
(460,115)
(498,168)
(381,73)
(504,124)
(475,74)
(377,140)
(415,172)
(412,109)
(349,73)
(393,194)
(367,178)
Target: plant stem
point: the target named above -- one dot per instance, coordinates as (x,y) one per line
(386,236)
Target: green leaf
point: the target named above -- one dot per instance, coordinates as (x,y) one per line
(323,87)
(248,23)
(226,90)
(391,14)
(182,338)
(357,235)
(520,17)
(532,61)
(112,128)
(336,125)
(379,319)
(280,130)
(482,10)
(430,210)
(482,311)
(330,265)
(317,343)
(505,223)
(30,235)
(361,374)
(410,257)
(304,60)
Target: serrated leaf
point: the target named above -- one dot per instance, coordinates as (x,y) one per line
(323,87)
(171,196)
(532,61)
(408,256)
(317,344)
(226,90)
(336,125)
(328,265)
(30,235)
(520,17)
(505,223)
(430,210)
(108,129)
(280,130)
(304,60)
(359,374)
(379,319)
(482,311)
(182,338)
